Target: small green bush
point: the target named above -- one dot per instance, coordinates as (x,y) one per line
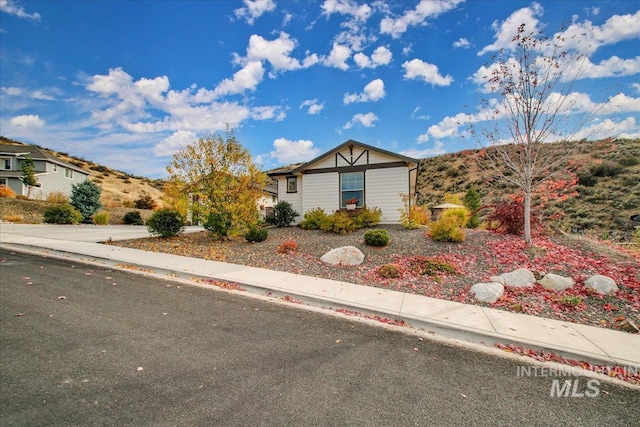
(101,218)
(629,161)
(145,201)
(218,225)
(338,222)
(414,216)
(284,214)
(166,223)
(376,237)
(312,219)
(367,217)
(62,214)
(257,235)
(133,218)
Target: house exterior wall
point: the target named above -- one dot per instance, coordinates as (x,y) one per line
(382,190)
(294,198)
(48,179)
(321,191)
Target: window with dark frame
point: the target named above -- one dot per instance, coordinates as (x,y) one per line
(6,163)
(352,187)
(292,184)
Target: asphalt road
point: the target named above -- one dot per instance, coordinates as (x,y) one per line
(125,349)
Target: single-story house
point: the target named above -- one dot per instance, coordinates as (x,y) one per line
(52,174)
(352,171)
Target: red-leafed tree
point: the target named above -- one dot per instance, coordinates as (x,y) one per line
(533,102)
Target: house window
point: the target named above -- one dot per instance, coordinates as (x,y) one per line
(68,173)
(3,181)
(292,184)
(55,168)
(6,163)
(352,187)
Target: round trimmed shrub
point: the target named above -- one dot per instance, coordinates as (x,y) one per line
(313,219)
(166,223)
(133,218)
(62,214)
(101,218)
(376,237)
(257,235)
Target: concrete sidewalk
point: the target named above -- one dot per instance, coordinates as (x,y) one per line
(443,318)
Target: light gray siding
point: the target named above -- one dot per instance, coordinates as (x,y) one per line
(294,198)
(382,190)
(321,191)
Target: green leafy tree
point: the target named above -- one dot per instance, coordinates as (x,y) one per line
(85,197)
(471,201)
(28,178)
(215,177)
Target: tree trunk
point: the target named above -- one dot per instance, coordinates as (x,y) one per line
(527,216)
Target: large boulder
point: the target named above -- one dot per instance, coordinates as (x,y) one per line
(346,255)
(487,292)
(555,282)
(603,285)
(520,278)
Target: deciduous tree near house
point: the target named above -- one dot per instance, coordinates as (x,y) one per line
(216,175)
(28,177)
(533,103)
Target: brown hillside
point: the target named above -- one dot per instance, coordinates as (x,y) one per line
(608,190)
(119,189)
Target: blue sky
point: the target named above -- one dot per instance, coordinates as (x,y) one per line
(127,83)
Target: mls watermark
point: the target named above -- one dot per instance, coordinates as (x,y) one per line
(565,382)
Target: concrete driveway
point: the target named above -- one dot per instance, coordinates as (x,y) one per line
(82,232)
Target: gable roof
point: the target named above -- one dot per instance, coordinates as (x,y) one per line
(353,142)
(36,153)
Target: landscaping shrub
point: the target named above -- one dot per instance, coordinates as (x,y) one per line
(367,217)
(414,216)
(472,202)
(145,201)
(508,217)
(287,247)
(133,218)
(101,218)
(284,214)
(338,222)
(218,224)
(448,228)
(257,234)
(57,197)
(376,237)
(312,219)
(62,214)
(424,266)
(165,223)
(389,271)
(85,197)
(5,191)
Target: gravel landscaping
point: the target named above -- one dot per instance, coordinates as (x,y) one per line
(480,256)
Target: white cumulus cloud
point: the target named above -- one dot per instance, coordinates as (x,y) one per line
(248,78)
(27,121)
(338,57)
(12,8)
(288,151)
(174,143)
(507,29)
(313,106)
(462,42)
(374,91)
(367,120)
(429,73)
(254,9)
(380,56)
(425,10)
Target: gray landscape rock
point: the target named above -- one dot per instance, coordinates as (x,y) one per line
(487,292)
(520,278)
(346,255)
(555,282)
(603,285)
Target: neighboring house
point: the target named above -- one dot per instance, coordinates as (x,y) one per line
(376,178)
(51,173)
(269,198)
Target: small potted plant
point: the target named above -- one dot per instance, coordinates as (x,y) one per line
(351,203)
